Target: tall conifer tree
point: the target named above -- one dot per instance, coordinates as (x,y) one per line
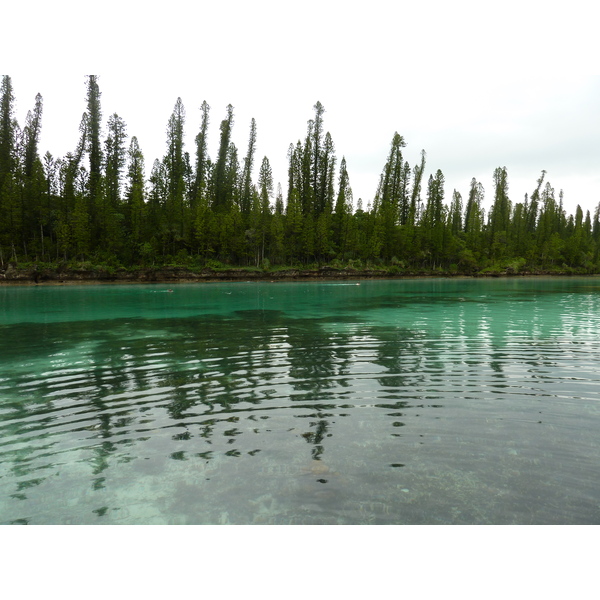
(31,133)
(7,129)
(176,171)
(221,168)
(317,134)
(202,159)
(246,194)
(135,197)
(116,158)
(94,147)
(343,211)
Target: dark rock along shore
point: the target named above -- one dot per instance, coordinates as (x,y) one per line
(35,275)
(176,274)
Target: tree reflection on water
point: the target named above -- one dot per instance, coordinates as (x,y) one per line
(266,416)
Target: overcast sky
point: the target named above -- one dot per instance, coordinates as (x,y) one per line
(477,85)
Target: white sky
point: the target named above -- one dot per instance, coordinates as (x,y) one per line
(478,85)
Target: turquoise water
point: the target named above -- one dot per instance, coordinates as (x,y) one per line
(433,401)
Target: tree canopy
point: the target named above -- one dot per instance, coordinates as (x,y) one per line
(98,204)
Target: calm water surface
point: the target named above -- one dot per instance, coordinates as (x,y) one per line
(380,402)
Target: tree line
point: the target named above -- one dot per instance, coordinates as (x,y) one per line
(96,204)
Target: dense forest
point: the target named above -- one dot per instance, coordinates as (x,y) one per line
(97,206)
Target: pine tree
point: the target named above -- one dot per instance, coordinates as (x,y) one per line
(156,207)
(317,133)
(74,188)
(323,247)
(306,189)
(499,218)
(549,244)
(326,177)
(51,169)
(433,220)
(343,211)
(279,207)
(33,126)
(501,209)
(116,158)
(596,234)
(11,222)
(175,172)
(263,214)
(415,198)
(294,169)
(108,207)
(10,228)
(519,235)
(454,243)
(233,177)
(277,236)
(277,233)
(80,224)
(220,185)
(456,208)
(533,208)
(391,198)
(33,193)
(202,159)
(7,130)
(294,225)
(135,199)
(205,228)
(392,182)
(93,138)
(474,224)
(40,208)
(246,193)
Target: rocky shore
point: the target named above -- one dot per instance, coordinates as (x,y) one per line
(175,275)
(37,275)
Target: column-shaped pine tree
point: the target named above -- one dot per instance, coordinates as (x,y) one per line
(343,212)
(94,147)
(433,223)
(246,192)
(263,221)
(326,176)
(31,135)
(220,181)
(499,217)
(317,134)
(135,200)
(202,160)
(474,220)
(390,195)
(415,197)
(33,194)
(7,129)
(115,158)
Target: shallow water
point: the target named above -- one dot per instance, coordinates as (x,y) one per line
(430,401)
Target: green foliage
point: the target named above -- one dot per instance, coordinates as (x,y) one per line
(222,189)
(7,130)
(213,215)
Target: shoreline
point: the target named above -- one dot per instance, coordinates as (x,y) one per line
(175,275)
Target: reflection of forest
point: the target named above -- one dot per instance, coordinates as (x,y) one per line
(259,400)
(117,384)
(204,387)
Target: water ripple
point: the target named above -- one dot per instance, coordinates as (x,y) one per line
(454,415)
